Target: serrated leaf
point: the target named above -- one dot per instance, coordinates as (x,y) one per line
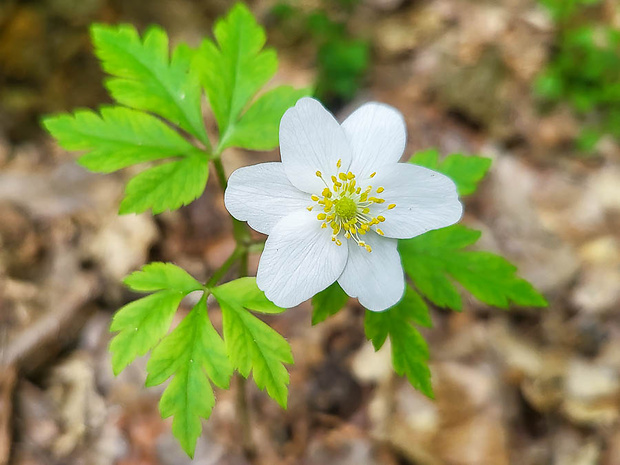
(434,259)
(465,171)
(167,186)
(409,350)
(145,78)
(245,293)
(410,309)
(254,346)
(157,276)
(117,138)
(235,69)
(327,303)
(258,127)
(193,353)
(141,324)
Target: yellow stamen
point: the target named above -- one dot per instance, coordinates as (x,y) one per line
(380,232)
(380,189)
(390,206)
(321,216)
(319,174)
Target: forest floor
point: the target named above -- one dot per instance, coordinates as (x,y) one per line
(523,387)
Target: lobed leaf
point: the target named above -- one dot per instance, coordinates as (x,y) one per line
(117,138)
(328,302)
(195,354)
(145,78)
(258,127)
(465,171)
(245,293)
(252,345)
(157,276)
(409,350)
(168,186)
(232,71)
(140,325)
(433,260)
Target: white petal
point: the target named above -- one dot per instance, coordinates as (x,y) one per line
(311,140)
(299,260)
(376,278)
(262,195)
(377,134)
(425,200)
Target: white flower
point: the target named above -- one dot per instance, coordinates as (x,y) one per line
(336,205)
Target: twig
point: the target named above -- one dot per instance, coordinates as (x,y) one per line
(7,383)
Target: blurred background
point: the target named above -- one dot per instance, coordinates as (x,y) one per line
(533,84)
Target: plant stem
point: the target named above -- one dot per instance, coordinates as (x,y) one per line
(243,411)
(221,271)
(240,231)
(241,252)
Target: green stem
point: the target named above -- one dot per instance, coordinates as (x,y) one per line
(240,231)
(222,270)
(241,252)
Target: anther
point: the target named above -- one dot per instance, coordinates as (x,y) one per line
(319,174)
(339,163)
(315,198)
(380,218)
(309,208)
(368,249)
(342,176)
(390,206)
(380,189)
(373,174)
(380,232)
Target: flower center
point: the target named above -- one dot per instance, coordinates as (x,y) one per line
(346,207)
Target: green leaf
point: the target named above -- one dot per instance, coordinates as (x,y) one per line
(117,138)
(254,346)
(409,350)
(434,259)
(141,324)
(145,78)
(465,171)
(168,186)
(235,69)
(245,293)
(327,303)
(258,127)
(158,276)
(193,353)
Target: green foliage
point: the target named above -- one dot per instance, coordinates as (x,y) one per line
(159,115)
(167,186)
(232,72)
(342,60)
(433,258)
(145,78)
(252,345)
(194,353)
(143,322)
(434,262)
(584,68)
(465,171)
(409,350)
(118,138)
(327,303)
